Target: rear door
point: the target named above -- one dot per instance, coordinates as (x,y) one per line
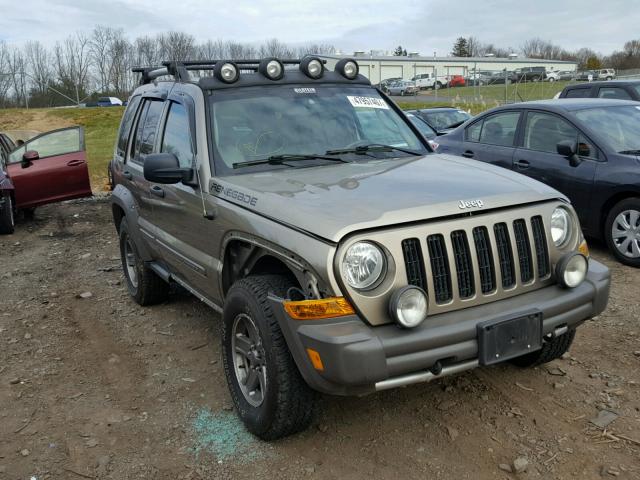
(60,172)
(538,158)
(491,139)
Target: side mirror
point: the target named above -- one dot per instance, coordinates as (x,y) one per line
(569,149)
(28,157)
(165,168)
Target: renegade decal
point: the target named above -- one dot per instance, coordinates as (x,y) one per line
(220,190)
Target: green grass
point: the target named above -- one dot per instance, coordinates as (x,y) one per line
(100,130)
(520,92)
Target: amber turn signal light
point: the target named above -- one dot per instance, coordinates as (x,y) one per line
(318,308)
(584,248)
(316,361)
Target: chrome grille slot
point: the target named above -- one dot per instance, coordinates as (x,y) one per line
(440,268)
(464,266)
(485,259)
(540,243)
(524,250)
(414,263)
(505,255)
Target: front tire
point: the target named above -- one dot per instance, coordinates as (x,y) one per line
(144,286)
(7,219)
(622,231)
(550,350)
(268,392)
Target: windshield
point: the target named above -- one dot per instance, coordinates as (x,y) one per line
(441,119)
(619,126)
(422,126)
(256,123)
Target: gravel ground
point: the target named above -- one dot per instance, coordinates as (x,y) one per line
(94,386)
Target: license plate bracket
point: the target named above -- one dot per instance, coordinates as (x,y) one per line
(507,338)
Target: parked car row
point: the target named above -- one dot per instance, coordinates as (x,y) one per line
(588,149)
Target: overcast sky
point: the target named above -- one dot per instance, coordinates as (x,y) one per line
(424,26)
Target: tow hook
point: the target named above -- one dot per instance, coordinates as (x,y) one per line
(436,368)
(557,332)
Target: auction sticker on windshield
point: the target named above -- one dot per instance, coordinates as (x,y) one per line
(367,102)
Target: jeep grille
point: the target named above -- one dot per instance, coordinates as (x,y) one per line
(460,274)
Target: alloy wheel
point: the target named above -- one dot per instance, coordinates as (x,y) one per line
(625,233)
(249,361)
(130,261)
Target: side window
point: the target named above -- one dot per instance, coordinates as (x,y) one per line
(134,145)
(500,129)
(176,138)
(125,126)
(578,93)
(51,144)
(614,93)
(544,131)
(148,138)
(472,133)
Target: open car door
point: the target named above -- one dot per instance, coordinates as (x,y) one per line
(53,169)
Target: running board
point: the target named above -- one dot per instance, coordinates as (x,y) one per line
(427,376)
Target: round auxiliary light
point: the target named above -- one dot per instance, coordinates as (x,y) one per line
(226,72)
(572,270)
(561,226)
(312,67)
(363,265)
(271,68)
(348,68)
(409,306)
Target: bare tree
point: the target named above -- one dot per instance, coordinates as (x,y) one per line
(5,76)
(147,52)
(39,66)
(99,45)
(176,46)
(72,61)
(17,70)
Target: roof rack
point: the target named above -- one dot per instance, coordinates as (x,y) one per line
(179,70)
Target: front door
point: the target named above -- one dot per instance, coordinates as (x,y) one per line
(59,173)
(178,219)
(538,158)
(492,139)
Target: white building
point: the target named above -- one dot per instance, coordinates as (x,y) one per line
(378,68)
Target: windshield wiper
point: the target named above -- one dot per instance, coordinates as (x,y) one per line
(282,159)
(373,147)
(630,152)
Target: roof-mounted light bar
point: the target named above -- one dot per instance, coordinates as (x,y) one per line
(272,68)
(312,67)
(226,72)
(348,68)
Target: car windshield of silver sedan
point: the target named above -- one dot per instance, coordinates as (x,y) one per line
(443,119)
(267,127)
(620,126)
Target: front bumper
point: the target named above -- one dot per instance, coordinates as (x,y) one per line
(360,359)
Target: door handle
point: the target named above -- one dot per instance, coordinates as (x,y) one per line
(127,174)
(75,163)
(522,164)
(468,154)
(157,191)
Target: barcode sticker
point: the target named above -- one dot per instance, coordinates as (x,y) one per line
(368,102)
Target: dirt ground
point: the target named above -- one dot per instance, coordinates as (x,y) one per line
(93,386)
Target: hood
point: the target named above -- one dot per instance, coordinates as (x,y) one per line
(331,201)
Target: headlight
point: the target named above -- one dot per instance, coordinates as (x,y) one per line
(271,68)
(312,67)
(561,226)
(348,68)
(409,306)
(572,270)
(363,265)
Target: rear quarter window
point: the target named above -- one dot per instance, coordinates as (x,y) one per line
(578,93)
(125,126)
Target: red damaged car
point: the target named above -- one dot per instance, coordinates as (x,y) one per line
(48,168)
